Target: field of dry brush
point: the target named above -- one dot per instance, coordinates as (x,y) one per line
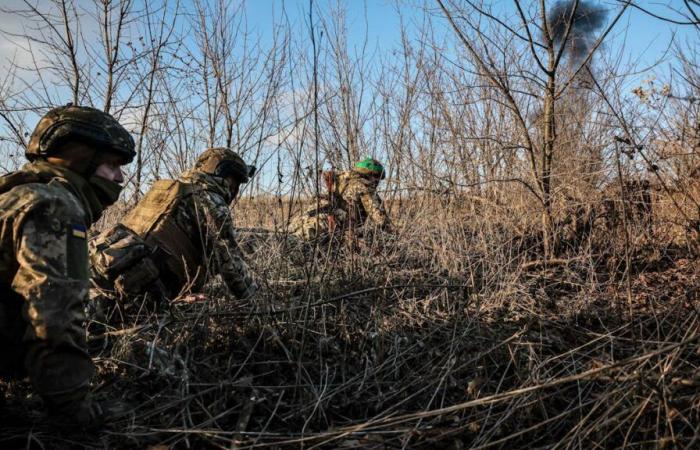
(449,334)
(541,288)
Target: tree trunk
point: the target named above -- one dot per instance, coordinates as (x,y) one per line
(548,137)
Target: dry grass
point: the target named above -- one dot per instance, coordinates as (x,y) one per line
(445,336)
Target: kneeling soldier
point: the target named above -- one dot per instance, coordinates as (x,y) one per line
(178,234)
(352,201)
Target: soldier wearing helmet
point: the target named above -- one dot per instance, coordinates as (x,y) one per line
(178,235)
(75,155)
(351,203)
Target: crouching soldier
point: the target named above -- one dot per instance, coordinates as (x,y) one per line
(178,235)
(351,203)
(75,155)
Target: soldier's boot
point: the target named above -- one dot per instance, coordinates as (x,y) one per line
(88,414)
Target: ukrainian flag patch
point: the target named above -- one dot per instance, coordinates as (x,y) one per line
(79,231)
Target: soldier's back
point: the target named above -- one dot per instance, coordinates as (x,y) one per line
(172,218)
(351,186)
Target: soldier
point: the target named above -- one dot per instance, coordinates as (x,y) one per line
(75,155)
(352,200)
(178,234)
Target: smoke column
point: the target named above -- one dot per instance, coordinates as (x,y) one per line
(588,19)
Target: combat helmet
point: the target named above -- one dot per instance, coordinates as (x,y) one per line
(80,123)
(224,162)
(370,167)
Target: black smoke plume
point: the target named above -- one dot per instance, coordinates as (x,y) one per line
(588,19)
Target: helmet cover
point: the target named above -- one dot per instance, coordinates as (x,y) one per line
(82,124)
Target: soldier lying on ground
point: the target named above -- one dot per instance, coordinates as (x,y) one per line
(178,235)
(75,155)
(351,202)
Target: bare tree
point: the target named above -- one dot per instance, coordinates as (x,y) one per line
(114,17)
(239,77)
(52,36)
(499,53)
(160,26)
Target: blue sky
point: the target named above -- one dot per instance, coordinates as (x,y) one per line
(646,37)
(382,18)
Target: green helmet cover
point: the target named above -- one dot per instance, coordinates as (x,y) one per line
(370,167)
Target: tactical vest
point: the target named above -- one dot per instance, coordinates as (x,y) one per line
(153,219)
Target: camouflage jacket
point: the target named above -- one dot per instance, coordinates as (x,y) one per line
(358,196)
(196,233)
(44,279)
(352,201)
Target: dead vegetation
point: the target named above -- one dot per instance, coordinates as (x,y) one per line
(445,336)
(541,290)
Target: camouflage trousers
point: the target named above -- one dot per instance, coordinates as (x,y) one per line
(318,225)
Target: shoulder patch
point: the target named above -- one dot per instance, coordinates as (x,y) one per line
(79,231)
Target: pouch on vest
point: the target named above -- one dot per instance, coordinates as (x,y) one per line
(116,250)
(153,219)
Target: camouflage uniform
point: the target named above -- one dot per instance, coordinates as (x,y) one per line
(353,201)
(45,210)
(188,232)
(44,281)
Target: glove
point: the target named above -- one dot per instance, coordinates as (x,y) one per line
(135,280)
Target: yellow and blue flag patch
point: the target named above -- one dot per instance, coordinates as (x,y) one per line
(79,231)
